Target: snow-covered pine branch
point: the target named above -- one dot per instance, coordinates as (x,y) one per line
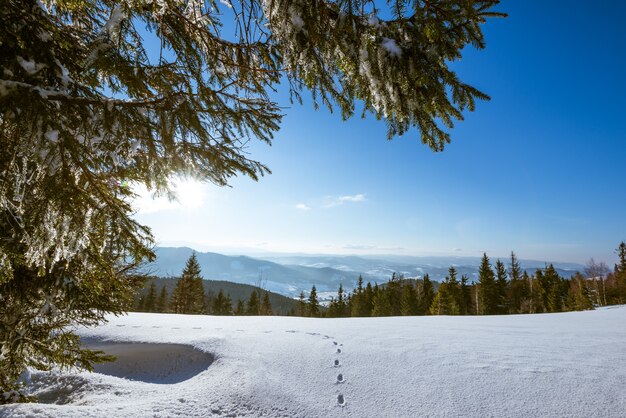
(88,106)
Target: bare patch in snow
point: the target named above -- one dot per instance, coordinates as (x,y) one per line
(151,363)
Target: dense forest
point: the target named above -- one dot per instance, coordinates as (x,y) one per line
(500,289)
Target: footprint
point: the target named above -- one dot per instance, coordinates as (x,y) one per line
(336,363)
(335,342)
(136,326)
(121,325)
(340,378)
(196,327)
(291,331)
(340,400)
(339,351)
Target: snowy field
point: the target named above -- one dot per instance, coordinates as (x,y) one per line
(552,365)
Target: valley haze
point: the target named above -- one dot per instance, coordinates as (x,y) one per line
(291,274)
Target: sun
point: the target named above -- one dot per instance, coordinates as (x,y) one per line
(189,194)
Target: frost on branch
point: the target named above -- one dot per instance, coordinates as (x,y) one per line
(391,46)
(398,66)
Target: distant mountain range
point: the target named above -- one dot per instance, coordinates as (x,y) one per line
(289,275)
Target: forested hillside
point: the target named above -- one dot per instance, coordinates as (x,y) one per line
(281,305)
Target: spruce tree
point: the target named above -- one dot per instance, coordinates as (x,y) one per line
(367,301)
(527,305)
(254,304)
(313,305)
(515,269)
(393,292)
(437,307)
(151,298)
(620,275)
(359,285)
(188,295)
(583,300)
(426,296)
(621,253)
(302,308)
(241,308)
(219,303)
(554,290)
(454,289)
(227,305)
(356,300)
(381,304)
(578,297)
(409,304)
(337,308)
(341,302)
(266,306)
(518,290)
(331,311)
(489,298)
(539,294)
(502,287)
(88,110)
(162,301)
(465,307)
(348,304)
(447,301)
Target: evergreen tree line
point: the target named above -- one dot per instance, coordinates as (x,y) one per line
(500,289)
(189,297)
(207,303)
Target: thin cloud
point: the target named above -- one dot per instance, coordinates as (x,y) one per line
(359,247)
(340,200)
(371,247)
(302,206)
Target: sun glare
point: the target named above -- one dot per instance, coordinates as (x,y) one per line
(190,194)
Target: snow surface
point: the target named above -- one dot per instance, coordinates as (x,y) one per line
(551,365)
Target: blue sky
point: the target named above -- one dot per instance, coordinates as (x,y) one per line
(539,169)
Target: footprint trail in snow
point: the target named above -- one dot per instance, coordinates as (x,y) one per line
(341,400)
